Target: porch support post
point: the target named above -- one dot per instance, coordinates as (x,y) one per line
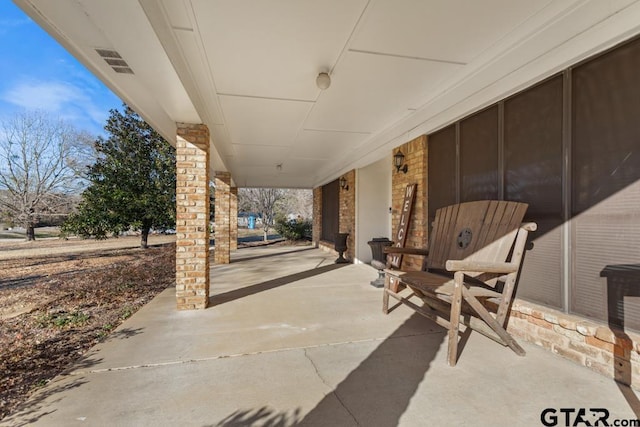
(233,217)
(192,216)
(221,254)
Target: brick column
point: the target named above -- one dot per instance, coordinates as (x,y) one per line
(233,218)
(221,254)
(192,216)
(415,152)
(347,208)
(317,216)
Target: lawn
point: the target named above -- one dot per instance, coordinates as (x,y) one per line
(59,298)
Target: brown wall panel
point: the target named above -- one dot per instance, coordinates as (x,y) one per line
(605,176)
(479,156)
(533,149)
(607,255)
(330,210)
(606,126)
(533,175)
(442,170)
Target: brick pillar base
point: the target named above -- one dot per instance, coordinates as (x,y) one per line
(233,218)
(192,216)
(221,254)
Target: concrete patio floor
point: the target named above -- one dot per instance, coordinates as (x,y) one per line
(293,339)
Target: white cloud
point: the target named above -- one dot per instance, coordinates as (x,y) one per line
(8,25)
(63,99)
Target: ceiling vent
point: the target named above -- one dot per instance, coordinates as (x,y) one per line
(115,61)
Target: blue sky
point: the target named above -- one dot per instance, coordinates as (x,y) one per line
(36,73)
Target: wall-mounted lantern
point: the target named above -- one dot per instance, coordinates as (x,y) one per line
(343,183)
(398,161)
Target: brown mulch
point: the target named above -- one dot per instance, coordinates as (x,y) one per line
(54,308)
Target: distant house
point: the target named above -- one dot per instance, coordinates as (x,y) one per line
(243,219)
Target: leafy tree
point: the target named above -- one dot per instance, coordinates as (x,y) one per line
(294,229)
(132,183)
(39,158)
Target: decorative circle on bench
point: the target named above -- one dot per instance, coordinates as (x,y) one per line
(464,238)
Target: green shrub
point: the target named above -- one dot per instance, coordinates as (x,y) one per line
(294,229)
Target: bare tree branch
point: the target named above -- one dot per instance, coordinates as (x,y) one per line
(36,166)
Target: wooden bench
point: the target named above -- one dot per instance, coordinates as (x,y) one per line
(470,270)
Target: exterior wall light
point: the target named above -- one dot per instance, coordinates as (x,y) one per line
(343,183)
(398,161)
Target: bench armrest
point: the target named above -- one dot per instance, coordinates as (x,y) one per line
(406,251)
(481,266)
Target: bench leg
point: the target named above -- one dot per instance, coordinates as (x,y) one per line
(494,325)
(454,319)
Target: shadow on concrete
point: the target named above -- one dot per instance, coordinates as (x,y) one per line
(306,248)
(377,392)
(264,416)
(250,239)
(30,412)
(622,281)
(124,334)
(269,284)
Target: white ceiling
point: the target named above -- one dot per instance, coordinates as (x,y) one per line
(399,68)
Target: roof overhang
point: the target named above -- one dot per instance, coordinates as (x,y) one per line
(399,69)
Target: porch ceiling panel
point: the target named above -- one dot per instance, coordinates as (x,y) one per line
(444,30)
(399,68)
(257,155)
(274,48)
(261,121)
(374,91)
(316,144)
(129,33)
(268,176)
(201,75)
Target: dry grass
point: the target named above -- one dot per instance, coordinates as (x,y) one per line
(54,308)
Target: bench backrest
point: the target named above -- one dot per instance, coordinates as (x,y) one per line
(483,230)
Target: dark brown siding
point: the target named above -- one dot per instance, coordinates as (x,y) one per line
(533,174)
(442,170)
(330,210)
(479,156)
(605,174)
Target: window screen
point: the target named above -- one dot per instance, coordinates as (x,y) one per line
(442,170)
(330,210)
(479,156)
(533,175)
(605,175)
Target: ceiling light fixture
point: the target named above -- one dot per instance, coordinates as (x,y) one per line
(323,81)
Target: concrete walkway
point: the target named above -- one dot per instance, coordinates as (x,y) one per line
(292,339)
